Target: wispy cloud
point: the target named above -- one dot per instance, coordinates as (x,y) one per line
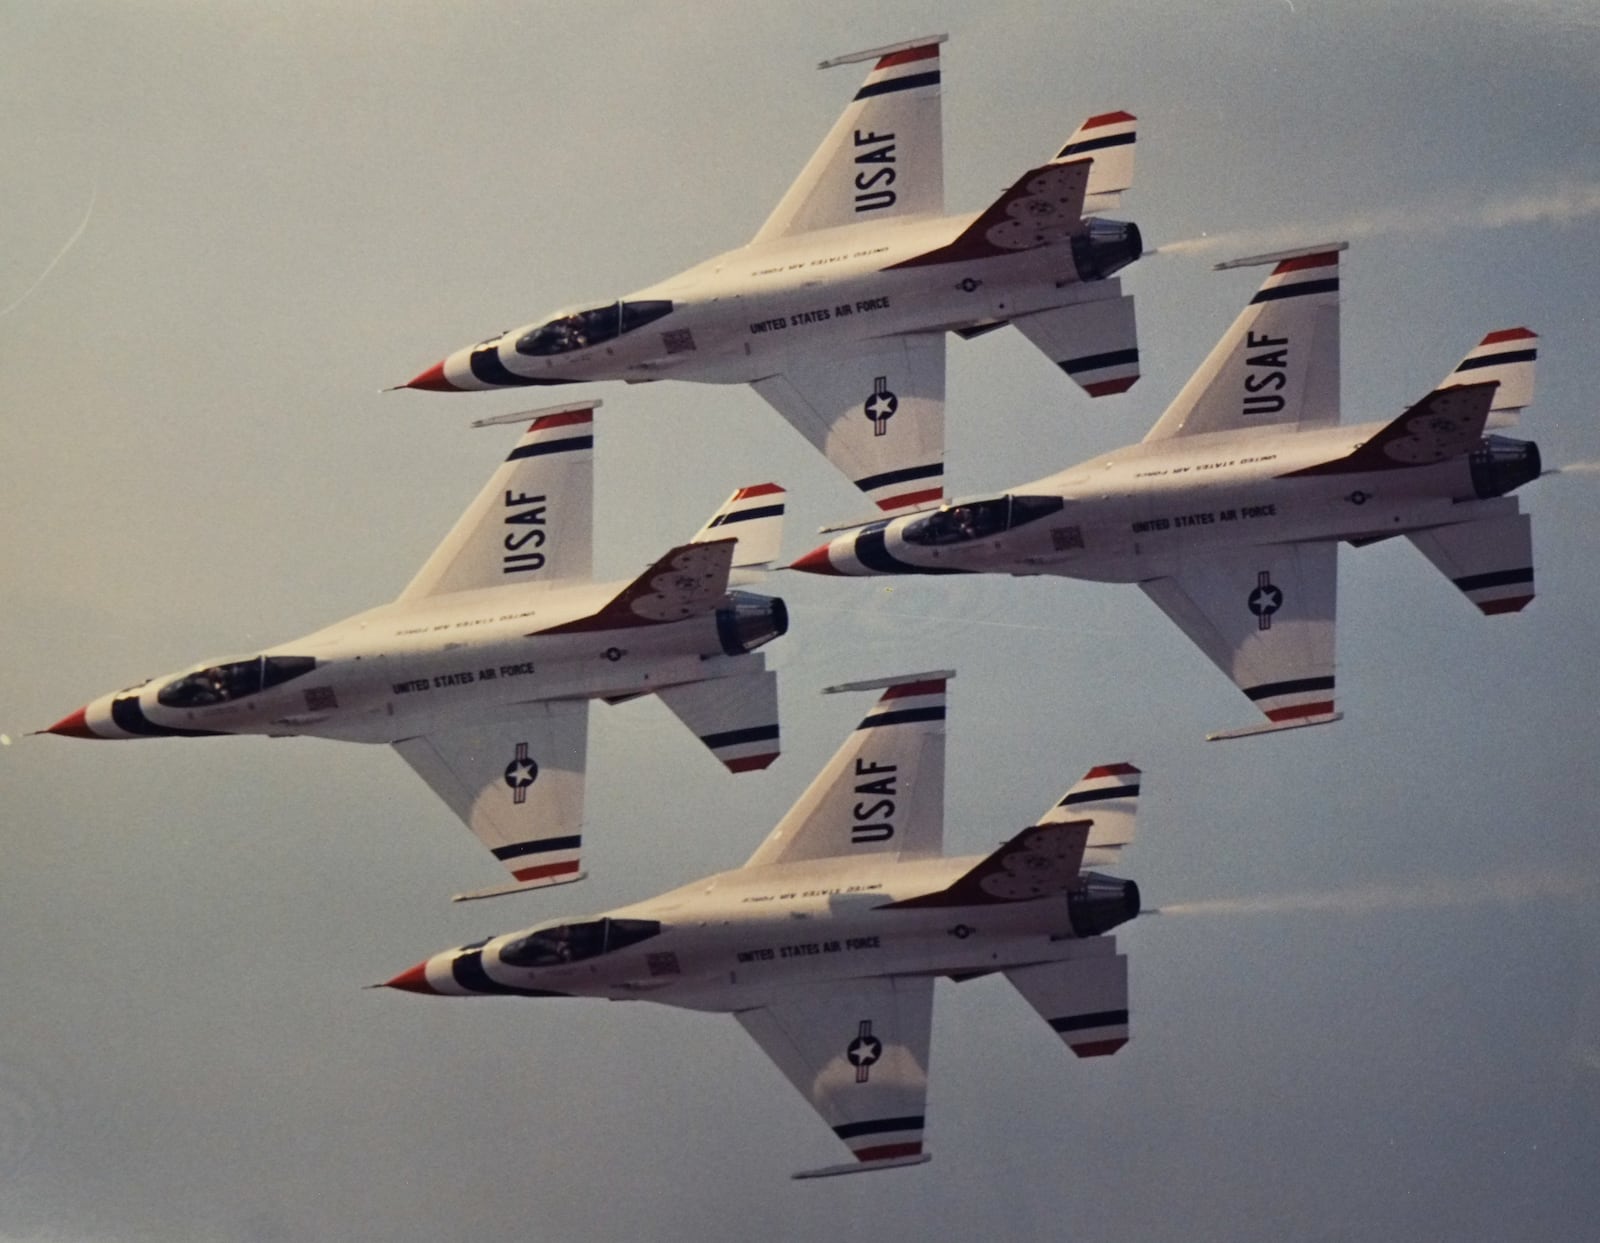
(94,193)
(1560,205)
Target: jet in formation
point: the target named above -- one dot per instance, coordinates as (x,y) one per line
(826,944)
(480,673)
(836,311)
(1230,512)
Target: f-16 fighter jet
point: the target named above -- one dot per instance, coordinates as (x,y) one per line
(1230,512)
(836,310)
(480,673)
(826,944)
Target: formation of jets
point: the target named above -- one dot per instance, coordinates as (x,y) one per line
(827,943)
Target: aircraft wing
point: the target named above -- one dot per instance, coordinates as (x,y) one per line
(1084,999)
(1265,617)
(883,791)
(877,413)
(517,782)
(1279,362)
(858,1051)
(532,525)
(884,157)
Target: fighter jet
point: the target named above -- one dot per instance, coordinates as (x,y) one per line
(826,944)
(836,310)
(1230,512)
(481,671)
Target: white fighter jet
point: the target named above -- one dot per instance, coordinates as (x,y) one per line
(1230,512)
(480,673)
(826,944)
(836,311)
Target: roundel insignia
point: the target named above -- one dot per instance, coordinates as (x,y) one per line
(880,405)
(1265,600)
(521,773)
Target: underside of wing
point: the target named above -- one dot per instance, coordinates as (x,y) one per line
(1265,616)
(1490,561)
(875,413)
(517,783)
(1095,341)
(1084,999)
(736,717)
(858,1052)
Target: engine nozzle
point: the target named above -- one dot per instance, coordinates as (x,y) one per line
(748,621)
(1500,464)
(1106,246)
(1099,903)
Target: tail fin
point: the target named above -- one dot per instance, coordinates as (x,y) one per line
(1109,140)
(688,580)
(1447,423)
(754,517)
(1505,357)
(1108,795)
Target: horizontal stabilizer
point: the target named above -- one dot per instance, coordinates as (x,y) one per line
(1109,140)
(1506,358)
(1084,999)
(1490,561)
(689,580)
(754,517)
(1041,860)
(1096,343)
(736,718)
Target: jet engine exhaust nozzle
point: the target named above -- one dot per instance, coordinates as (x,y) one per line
(1106,246)
(749,621)
(1500,464)
(1100,903)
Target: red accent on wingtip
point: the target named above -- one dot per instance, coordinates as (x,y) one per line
(750,763)
(414,980)
(432,378)
(887,1152)
(926,52)
(567,418)
(1322,259)
(1105,388)
(73,725)
(815,562)
(1099,1048)
(1515,604)
(1509,334)
(1108,118)
(907,690)
(1111,770)
(547,870)
(758,489)
(1295,711)
(911,498)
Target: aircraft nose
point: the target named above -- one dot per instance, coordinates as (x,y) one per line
(816,562)
(414,980)
(73,725)
(434,379)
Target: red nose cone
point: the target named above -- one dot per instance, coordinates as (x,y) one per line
(432,378)
(414,980)
(73,726)
(815,562)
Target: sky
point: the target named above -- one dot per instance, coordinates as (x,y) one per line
(1372,1010)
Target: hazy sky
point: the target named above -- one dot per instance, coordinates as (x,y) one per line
(270,211)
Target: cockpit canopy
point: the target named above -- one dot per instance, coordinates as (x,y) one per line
(217,684)
(564,943)
(970,520)
(566,333)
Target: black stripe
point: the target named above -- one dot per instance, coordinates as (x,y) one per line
(1095,144)
(540,448)
(487,367)
(905,716)
(733,737)
(1268,690)
(469,973)
(1094,796)
(1093,362)
(882,1126)
(129,717)
(1330,285)
(909,82)
(1080,1022)
(872,551)
(745,515)
(932,471)
(1494,360)
(518,849)
(1499,578)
